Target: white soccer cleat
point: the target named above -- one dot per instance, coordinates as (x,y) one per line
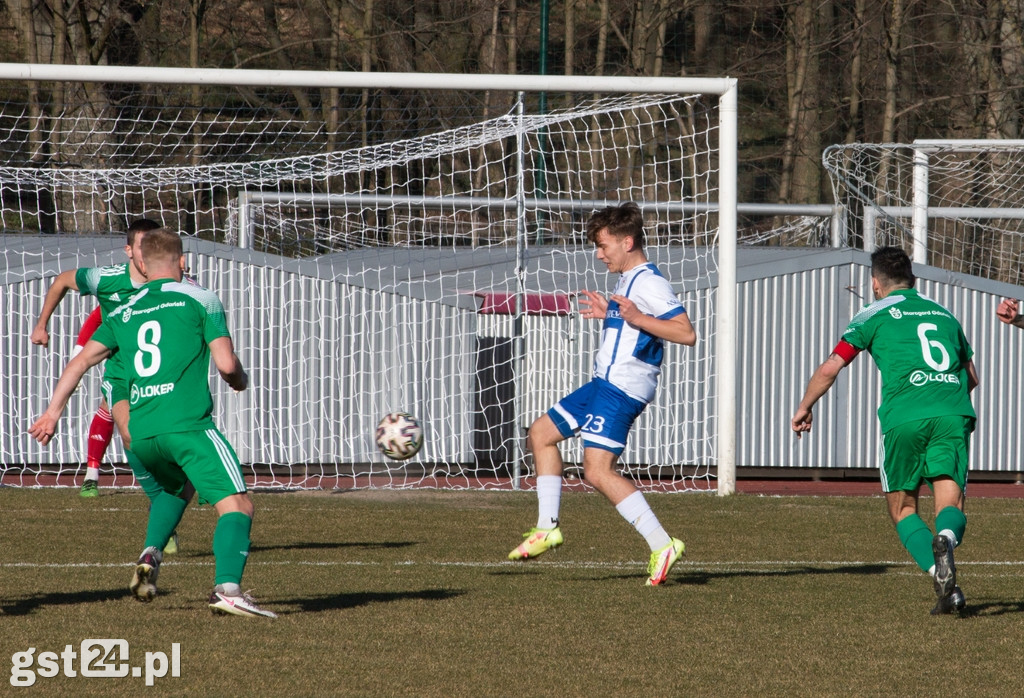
(237,605)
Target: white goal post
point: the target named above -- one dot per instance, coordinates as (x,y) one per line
(364,277)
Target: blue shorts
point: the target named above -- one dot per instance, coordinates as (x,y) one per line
(601,413)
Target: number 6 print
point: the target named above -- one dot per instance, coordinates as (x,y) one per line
(940,363)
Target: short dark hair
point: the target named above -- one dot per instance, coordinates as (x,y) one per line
(624,220)
(892,267)
(142,225)
(161,244)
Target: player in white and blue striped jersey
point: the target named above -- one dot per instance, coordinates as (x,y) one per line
(640,315)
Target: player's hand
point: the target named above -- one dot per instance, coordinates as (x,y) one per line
(802,421)
(627,309)
(595,306)
(1008,310)
(238,381)
(43,429)
(40,336)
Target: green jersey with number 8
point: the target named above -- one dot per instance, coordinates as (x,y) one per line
(922,354)
(163,333)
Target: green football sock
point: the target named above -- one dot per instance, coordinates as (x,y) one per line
(951,519)
(917,539)
(231,547)
(165,512)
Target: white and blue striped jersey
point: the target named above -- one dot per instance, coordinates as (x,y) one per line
(629,358)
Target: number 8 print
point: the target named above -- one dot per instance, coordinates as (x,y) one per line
(149,339)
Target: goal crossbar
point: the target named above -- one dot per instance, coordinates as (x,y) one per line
(359,80)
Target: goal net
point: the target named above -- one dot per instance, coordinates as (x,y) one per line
(954,204)
(381,250)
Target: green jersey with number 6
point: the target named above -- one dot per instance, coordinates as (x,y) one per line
(922,354)
(163,333)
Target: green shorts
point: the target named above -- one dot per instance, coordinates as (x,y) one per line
(115,380)
(143,477)
(924,450)
(204,458)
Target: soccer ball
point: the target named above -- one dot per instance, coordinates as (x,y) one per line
(399,435)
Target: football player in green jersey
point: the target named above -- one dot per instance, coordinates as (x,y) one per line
(110,285)
(926,414)
(168,331)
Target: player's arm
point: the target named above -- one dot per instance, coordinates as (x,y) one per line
(972,376)
(64,282)
(676,329)
(222,351)
(44,427)
(823,379)
(1009,312)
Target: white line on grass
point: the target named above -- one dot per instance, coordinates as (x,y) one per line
(563,564)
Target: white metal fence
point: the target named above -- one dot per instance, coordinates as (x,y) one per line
(302,331)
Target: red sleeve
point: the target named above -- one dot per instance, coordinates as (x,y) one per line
(94,320)
(846,351)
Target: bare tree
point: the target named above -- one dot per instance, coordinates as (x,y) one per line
(25,25)
(90,34)
(856,62)
(704,17)
(801,173)
(893,55)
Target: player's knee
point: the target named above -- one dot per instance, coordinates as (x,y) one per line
(901,511)
(597,474)
(235,503)
(541,433)
(531,440)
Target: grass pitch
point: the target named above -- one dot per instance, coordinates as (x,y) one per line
(384,593)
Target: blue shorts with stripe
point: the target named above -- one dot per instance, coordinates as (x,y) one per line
(600,413)
(203,457)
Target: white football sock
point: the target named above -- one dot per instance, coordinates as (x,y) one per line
(637,512)
(549,500)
